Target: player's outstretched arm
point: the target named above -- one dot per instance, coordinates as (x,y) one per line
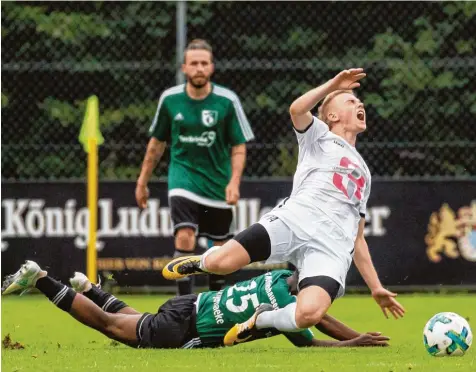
(366,339)
(300,109)
(337,330)
(384,298)
(155,150)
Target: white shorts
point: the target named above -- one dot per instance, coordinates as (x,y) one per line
(328,253)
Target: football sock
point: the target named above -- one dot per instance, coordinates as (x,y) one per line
(104,300)
(283,320)
(61,295)
(184,286)
(215,282)
(204,256)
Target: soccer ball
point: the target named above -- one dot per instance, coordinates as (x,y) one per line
(447,334)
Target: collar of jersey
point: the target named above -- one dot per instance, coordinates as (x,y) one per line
(198,100)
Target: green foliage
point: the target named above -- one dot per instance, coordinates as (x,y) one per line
(124,52)
(294,40)
(413,72)
(410,72)
(68,114)
(275,96)
(70,28)
(286,161)
(4,100)
(199,13)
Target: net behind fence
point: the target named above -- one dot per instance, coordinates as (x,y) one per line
(419,93)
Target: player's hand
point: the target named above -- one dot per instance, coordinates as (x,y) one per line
(142,195)
(387,302)
(370,339)
(232,192)
(348,79)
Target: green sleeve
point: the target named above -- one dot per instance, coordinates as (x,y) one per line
(300,339)
(160,127)
(239,129)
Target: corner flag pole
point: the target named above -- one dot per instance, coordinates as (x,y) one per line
(90,136)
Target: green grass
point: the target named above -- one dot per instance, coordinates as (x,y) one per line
(56,342)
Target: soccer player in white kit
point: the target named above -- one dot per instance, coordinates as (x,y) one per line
(319,228)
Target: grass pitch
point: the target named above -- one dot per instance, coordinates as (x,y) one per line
(53,341)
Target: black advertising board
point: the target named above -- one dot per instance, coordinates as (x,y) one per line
(419,233)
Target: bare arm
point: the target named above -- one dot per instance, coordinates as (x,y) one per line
(336,329)
(155,150)
(329,343)
(367,339)
(300,109)
(363,261)
(238,159)
(384,298)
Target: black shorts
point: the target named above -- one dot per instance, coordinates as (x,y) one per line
(210,222)
(172,327)
(256,241)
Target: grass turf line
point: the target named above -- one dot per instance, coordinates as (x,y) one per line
(55,342)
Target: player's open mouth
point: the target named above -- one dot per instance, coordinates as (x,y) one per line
(361,115)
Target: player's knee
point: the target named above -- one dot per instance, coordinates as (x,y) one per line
(107,323)
(214,263)
(220,261)
(309,315)
(226,259)
(112,326)
(185,239)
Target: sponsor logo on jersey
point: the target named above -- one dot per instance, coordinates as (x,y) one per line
(206,139)
(271,217)
(209,117)
(339,144)
(178,117)
(452,234)
(268,286)
(217,313)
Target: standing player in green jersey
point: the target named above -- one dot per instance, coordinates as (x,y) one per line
(189,321)
(206,129)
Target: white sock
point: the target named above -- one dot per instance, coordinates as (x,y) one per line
(202,258)
(283,320)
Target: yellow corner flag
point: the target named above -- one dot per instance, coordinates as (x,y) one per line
(90,136)
(90,128)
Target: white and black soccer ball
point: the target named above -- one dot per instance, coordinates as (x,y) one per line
(447,334)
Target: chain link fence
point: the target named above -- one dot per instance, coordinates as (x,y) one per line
(419,93)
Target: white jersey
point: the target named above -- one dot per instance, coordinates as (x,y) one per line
(331,181)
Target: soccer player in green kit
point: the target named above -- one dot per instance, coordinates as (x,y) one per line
(188,321)
(207,131)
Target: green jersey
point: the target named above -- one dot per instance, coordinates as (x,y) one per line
(218,312)
(201,134)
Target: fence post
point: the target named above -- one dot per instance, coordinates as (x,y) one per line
(181,39)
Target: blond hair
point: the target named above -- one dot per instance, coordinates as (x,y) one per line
(323,110)
(198,44)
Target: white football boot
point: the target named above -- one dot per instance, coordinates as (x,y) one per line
(24,279)
(80,282)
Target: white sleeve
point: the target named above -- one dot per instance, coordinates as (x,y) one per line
(312,133)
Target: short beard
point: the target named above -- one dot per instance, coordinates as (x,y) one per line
(197,86)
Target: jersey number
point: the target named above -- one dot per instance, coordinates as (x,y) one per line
(356,181)
(244,300)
